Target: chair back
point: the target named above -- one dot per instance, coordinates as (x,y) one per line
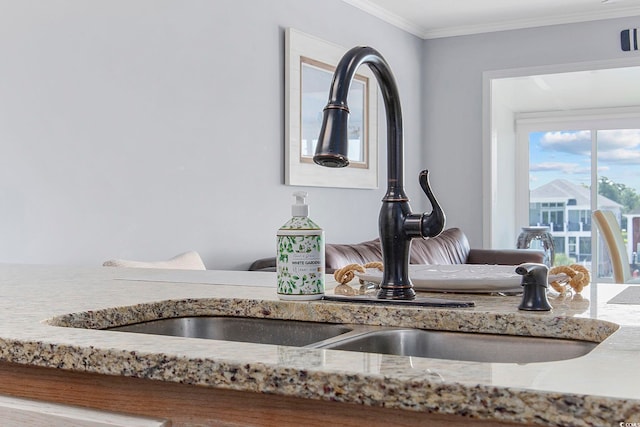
(186,261)
(610,230)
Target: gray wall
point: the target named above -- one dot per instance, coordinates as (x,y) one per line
(452,110)
(141,129)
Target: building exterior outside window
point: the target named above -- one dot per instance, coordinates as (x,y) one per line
(565,208)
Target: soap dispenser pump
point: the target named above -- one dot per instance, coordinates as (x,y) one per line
(535,281)
(300,258)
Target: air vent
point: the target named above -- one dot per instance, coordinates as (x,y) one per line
(629,39)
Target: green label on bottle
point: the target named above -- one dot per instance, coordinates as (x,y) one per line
(301,265)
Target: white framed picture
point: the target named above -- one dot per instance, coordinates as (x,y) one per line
(309,67)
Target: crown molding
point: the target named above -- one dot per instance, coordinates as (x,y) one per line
(389,17)
(514,24)
(517,24)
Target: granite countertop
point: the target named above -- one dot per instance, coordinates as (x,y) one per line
(38,303)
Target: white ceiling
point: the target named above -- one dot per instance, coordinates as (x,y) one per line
(578,90)
(606,88)
(444,18)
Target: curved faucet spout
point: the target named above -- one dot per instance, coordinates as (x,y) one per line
(333,141)
(397,225)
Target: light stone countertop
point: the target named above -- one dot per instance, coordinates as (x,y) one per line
(598,389)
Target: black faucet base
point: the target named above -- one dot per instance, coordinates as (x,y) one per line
(418,302)
(397,293)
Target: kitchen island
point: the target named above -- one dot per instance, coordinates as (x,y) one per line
(52,350)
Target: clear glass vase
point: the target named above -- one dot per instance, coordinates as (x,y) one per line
(539,238)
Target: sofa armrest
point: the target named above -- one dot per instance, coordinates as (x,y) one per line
(263,264)
(505,256)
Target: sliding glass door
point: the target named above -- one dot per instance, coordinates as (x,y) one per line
(572,170)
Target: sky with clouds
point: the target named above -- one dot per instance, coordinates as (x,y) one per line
(567,155)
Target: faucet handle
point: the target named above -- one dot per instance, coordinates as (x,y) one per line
(534,274)
(433,223)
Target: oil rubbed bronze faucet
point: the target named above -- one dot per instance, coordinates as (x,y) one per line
(397,225)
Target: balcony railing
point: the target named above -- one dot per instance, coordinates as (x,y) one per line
(567,226)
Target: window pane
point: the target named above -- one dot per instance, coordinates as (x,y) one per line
(619,188)
(559,179)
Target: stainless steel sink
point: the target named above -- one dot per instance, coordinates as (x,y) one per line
(245,329)
(463,346)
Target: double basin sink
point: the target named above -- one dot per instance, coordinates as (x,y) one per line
(466,346)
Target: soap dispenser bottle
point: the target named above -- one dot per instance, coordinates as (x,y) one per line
(535,282)
(300,258)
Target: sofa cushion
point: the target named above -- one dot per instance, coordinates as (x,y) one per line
(450,247)
(340,255)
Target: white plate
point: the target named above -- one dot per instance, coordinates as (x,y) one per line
(465,278)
